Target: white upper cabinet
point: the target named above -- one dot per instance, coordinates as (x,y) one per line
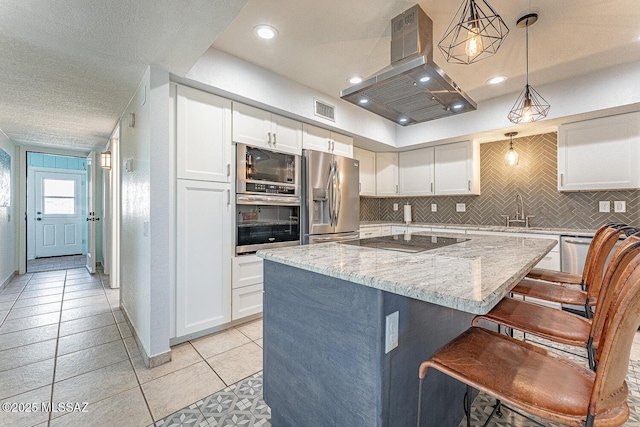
(203,130)
(367,161)
(416,175)
(261,128)
(600,154)
(457,168)
(387,174)
(316,138)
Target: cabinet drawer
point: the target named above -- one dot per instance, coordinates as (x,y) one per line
(368,232)
(246,301)
(385,231)
(247,271)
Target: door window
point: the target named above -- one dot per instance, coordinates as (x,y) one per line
(59,197)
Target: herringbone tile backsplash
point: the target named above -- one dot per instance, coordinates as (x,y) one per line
(534,179)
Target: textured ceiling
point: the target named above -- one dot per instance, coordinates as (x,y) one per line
(69,68)
(322,43)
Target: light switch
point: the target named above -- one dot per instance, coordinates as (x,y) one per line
(391,333)
(434,207)
(461,207)
(395,206)
(619,206)
(604,206)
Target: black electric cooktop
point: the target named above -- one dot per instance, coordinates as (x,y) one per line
(411,243)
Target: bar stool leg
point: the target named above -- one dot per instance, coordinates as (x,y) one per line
(420,400)
(467,405)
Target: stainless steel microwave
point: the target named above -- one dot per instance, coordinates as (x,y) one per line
(262,171)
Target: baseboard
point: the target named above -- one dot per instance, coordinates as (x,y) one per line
(149,361)
(8,279)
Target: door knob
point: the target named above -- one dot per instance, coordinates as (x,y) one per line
(38,219)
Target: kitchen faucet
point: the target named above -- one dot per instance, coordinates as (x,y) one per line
(520,215)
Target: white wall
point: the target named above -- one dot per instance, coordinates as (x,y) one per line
(605,92)
(8,217)
(243,81)
(144,211)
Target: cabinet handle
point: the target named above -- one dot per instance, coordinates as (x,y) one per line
(274,139)
(329,145)
(269,140)
(561,180)
(228,197)
(469,185)
(333,145)
(360,187)
(228,169)
(432,187)
(396,188)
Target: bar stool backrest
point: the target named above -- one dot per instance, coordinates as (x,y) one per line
(621,323)
(623,255)
(595,273)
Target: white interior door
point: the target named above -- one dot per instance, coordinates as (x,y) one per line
(58,203)
(91,214)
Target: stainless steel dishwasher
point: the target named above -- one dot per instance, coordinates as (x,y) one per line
(573,253)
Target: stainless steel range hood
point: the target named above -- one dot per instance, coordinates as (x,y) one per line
(413,89)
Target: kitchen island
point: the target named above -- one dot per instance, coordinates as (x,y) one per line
(325,309)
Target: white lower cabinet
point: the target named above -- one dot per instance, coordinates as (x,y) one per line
(368,232)
(247,284)
(204,250)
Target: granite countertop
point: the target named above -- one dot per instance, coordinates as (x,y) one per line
(471,276)
(530,230)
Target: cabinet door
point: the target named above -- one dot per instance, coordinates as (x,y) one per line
(387,174)
(342,145)
(204,251)
(251,126)
(416,172)
(315,138)
(457,168)
(203,128)
(367,161)
(600,154)
(287,135)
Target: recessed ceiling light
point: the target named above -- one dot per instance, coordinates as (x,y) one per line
(265,32)
(497,79)
(424,79)
(457,106)
(403,120)
(355,80)
(363,101)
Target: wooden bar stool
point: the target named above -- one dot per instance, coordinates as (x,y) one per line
(532,379)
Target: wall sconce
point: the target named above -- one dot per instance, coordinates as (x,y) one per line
(511,158)
(105,160)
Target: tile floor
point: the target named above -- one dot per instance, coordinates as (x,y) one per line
(56,263)
(64,339)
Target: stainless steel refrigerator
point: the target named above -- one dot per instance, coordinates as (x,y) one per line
(330,197)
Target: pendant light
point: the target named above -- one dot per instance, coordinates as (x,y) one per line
(475,32)
(529,106)
(511,158)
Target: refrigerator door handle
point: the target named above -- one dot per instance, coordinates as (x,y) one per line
(338,194)
(330,194)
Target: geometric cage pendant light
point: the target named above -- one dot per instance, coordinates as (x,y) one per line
(530,105)
(475,33)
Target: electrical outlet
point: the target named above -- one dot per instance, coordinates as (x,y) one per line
(604,206)
(619,206)
(461,207)
(391,333)
(434,207)
(395,206)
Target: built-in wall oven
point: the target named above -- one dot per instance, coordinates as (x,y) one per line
(267,199)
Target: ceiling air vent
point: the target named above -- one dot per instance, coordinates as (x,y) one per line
(324,110)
